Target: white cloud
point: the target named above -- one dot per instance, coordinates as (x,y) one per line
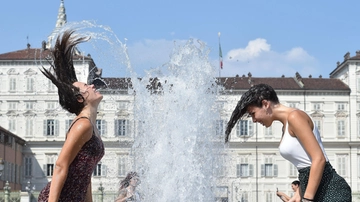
(252,50)
(258,58)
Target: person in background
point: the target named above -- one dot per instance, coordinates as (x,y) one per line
(300,144)
(83,147)
(295,187)
(127,191)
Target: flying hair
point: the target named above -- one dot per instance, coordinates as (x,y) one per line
(253,97)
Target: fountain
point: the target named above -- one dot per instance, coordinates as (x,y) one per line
(176,148)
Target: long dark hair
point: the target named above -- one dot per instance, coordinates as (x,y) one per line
(64,72)
(253,97)
(126,181)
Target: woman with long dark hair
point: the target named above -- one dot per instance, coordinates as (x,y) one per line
(127,191)
(300,144)
(83,147)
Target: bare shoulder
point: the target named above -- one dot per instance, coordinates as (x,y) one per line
(297,116)
(82,129)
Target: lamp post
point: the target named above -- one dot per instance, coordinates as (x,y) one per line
(1,166)
(101,189)
(7,189)
(29,189)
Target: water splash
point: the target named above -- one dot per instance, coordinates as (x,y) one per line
(176,148)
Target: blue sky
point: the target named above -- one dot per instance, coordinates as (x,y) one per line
(268,38)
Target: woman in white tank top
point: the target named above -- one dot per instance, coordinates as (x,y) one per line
(300,144)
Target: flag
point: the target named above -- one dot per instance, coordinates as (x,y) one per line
(220,57)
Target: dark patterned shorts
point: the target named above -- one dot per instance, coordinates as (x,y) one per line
(332,188)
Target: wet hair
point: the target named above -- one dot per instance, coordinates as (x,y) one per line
(126,181)
(296,182)
(253,97)
(64,74)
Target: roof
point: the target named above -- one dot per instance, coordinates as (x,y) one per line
(32,54)
(244,83)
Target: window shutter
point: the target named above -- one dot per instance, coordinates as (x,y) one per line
(45,127)
(103,170)
(56,123)
(116,124)
(45,169)
(251,170)
(262,170)
(275,170)
(238,167)
(105,130)
(127,129)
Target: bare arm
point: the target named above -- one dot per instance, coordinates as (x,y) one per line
(79,134)
(296,197)
(301,126)
(88,197)
(283,196)
(123,196)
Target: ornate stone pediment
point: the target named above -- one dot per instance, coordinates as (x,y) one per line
(122,113)
(341,114)
(11,113)
(30,72)
(12,71)
(317,114)
(29,113)
(50,113)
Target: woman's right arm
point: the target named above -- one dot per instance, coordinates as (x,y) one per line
(123,196)
(79,134)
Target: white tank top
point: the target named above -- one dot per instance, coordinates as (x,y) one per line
(292,150)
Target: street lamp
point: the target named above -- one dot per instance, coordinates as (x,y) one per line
(1,166)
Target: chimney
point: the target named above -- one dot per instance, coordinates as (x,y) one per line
(320,76)
(337,63)
(310,76)
(43,45)
(28,45)
(347,56)
(358,53)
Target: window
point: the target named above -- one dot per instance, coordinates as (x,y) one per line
(244,197)
(122,165)
(341,128)
(12,86)
(219,127)
(28,167)
(316,106)
(68,124)
(12,105)
(12,125)
(341,164)
(29,127)
(268,169)
(293,171)
(29,105)
(51,86)
(243,168)
(268,132)
(30,84)
(50,164)
(318,125)
(51,127)
(269,196)
(122,105)
(293,104)
(100,170)
(244,128)
(122,127)
(51,105)
(220,166)
(341,106)
(101,126)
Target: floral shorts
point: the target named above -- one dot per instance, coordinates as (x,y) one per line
(332,188)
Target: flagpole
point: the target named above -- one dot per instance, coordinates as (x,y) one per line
(220,56)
